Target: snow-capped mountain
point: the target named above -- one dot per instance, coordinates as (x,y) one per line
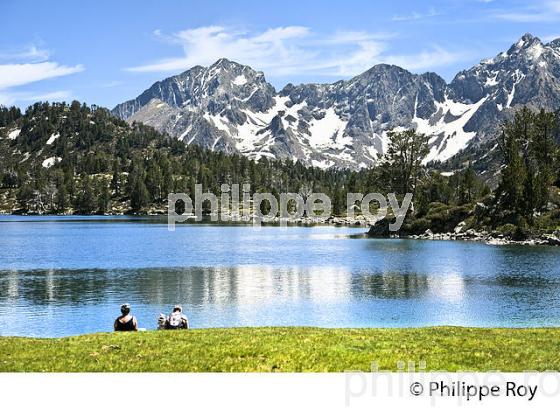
(527,74)
(231,107)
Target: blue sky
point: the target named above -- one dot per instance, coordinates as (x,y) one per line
(105,52)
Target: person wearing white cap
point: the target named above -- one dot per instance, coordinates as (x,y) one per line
(177,320)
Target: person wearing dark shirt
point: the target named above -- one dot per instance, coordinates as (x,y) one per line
(126,322)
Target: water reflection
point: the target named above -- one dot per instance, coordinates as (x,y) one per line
(393,286)
(240,285)
(266,295)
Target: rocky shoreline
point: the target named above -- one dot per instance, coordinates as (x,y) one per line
(459,234)
(318,220)
(491,238)
(358,221)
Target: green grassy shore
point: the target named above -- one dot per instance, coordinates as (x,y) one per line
(287,350)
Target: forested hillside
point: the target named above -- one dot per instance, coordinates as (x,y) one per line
(60,158)
(73,158)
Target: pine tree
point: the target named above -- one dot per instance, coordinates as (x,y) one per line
(154,181)
(528,150)
(468,185)
(514,172)
(86,201)
(61,199)
(116,179)
(24,196)
(103,197)
(140,196)
(542,150)
(403,160)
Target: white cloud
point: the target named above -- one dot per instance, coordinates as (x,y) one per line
(205,45)
(554,5)
(7,98)
(27,66)
(51,96)
(13,75)
(425,59)
(527,17)
(30,54)
(538,11)
(289,50)
(551,37)
(417,16)
(11,97)
(348,37)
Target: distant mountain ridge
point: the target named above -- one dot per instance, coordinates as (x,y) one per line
(232,108)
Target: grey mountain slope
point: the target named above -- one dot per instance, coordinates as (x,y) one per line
(231,107)
(527,74)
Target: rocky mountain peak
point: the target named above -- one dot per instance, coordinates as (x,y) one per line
(555,44)
(229,106)
(231,74)
(528,48)
(220,86)
(527,41)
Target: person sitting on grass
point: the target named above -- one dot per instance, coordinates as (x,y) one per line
(162,322)
(126,322)
(176,319)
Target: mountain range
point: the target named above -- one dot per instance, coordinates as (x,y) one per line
(232,108)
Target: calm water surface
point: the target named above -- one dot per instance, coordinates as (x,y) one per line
(68,275)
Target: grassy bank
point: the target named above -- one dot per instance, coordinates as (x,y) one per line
(287,350)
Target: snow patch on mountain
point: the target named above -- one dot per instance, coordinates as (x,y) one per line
(53,138)
(49,162)
(12,135)
(518,77)
(535,51)
(328,131)
(448,137)
(221,123)
(185,133)
(240,80)
(492,81)
(322,164)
